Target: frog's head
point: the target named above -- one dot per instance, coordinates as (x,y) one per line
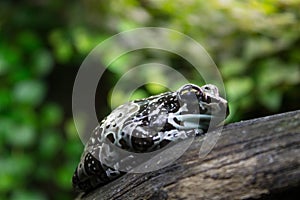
(198,107)
(204,100)
(165,117)
(190,107)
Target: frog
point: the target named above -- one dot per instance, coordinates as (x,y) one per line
(147,125)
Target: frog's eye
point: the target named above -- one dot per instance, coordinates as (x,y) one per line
(207,88)
(189,92)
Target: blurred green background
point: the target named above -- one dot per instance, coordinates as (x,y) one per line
(255,45)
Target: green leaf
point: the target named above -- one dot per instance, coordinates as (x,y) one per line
(6,125)
(29,40)
(49,144)
(4,67)
(238,88)
(154,88)
(30,92)
(14,170)
(7,182)
(19,75)
(120,65)
(25,115)
(21,135)
(10,57)
(42,62)
(20,194)
(138,94)
(5,99)
(71,129)
(62,46)
(74,149)
(273,72)
(233,67)
(45,173)
(125,25)
(63,176)
(258,47)
(84,42)
(271,99)
(117,98)
(51,115)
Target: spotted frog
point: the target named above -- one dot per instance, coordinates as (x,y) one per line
(146,125)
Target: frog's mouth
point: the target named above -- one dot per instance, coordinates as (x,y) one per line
(194,121)
(207,114)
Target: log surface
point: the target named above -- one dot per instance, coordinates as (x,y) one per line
(251,159)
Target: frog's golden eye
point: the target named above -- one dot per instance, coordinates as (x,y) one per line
(190,93)
(189,88)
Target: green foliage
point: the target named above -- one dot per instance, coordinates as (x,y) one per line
(254,43)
